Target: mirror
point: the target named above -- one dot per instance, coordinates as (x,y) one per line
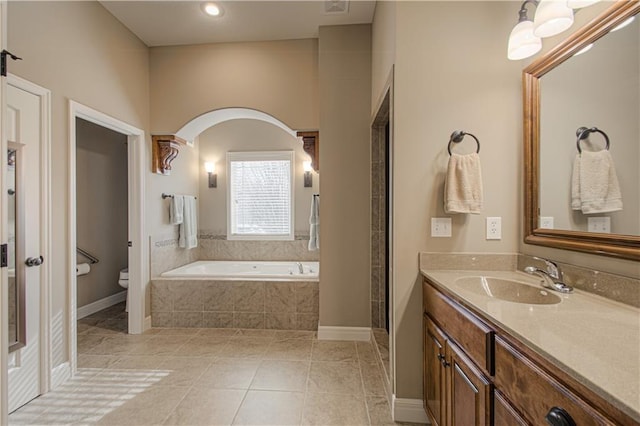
(16,293)
(598,89)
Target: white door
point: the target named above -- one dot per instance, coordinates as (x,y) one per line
(24,138)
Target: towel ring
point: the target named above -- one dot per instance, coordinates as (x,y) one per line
(457,136)
(583,133)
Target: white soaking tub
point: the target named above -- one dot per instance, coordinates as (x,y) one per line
(246,270)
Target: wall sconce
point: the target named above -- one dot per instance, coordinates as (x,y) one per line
(213,177)
(308,178)
(522,41)
(552,17)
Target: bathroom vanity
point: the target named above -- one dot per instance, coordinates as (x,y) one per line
(499,349)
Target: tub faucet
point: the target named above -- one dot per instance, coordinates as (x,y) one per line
(300,267)
(551,277)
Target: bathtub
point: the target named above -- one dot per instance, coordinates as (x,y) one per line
(245,270)
(237,294)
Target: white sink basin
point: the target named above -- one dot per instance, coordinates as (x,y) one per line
(509,290)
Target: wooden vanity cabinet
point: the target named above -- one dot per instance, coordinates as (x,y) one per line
(475,373)
(456,391)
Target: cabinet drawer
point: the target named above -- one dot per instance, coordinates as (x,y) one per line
(473,336)
(534,392)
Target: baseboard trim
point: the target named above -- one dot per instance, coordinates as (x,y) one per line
(408,410)
(98,305)
(60,374)
(344,333)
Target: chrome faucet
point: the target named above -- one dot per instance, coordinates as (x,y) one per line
(551,277)
(300,267)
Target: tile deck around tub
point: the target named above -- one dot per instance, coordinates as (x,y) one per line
(212,376)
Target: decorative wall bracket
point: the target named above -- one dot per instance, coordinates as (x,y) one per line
(311,145)
(165,149)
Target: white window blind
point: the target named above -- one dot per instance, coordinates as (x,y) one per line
(260,195)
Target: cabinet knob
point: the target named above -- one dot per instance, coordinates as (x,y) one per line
(559,417)
(443,361)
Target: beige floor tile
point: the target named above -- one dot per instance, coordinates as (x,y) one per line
(248,332)
(116,344)
(182,371)
(281,375)
(379,411)
(291,349)
(229,373)
(270,408)
(178,331)
(372,379)
(366,352)
(152,406)
(203,346)
(335,377)
(135,362)
(160,345)
(86,342)
(294,334)
(96,361)
(245,347)
(332,409)
(218,332)
(204,406)
(325,350)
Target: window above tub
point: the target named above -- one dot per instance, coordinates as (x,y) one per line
(260,195)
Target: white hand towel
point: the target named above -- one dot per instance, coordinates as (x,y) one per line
(463,184)
(176,209)
(314,222)
(597,183)
(189,228)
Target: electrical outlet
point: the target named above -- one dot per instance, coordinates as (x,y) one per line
(440,226)
(494,228)
(599,224)
(546,222)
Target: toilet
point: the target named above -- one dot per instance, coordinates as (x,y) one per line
(123,280)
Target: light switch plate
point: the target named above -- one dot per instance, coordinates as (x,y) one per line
(599,224)
(494,228)
(441,227)
(546,222)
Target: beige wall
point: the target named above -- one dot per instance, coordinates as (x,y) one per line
(451,73)
(345,110)
(101,176)
(383,50)
(279,78)
(80,52)
(247,135)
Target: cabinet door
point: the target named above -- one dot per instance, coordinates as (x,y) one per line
(504,414)
(470,392)
(434,373)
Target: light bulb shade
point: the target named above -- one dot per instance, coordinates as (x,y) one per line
(306,166)
(210,167)
(578,4)
(552,17)
(522,42)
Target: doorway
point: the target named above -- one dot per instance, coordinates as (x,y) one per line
(138,250)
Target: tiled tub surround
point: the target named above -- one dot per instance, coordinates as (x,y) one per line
(281,305)
(166,255)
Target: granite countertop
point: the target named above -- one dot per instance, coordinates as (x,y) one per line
(594,339)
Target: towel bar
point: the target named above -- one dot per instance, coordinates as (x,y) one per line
(171,196)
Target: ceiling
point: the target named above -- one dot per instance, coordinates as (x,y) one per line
(166,23)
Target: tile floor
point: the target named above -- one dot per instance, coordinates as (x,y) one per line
(212,377)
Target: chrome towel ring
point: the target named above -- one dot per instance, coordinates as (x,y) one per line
(583,133)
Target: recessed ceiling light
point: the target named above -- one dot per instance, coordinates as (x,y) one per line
(212,9)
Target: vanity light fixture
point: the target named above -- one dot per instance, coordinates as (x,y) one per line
(522,41)
(212,9)
(308,178)
(579,4)
(552,17)
(211,171)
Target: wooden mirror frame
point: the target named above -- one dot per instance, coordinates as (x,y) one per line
(616,245)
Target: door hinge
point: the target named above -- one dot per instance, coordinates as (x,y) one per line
(3,61)
(130,244)
(4,261)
